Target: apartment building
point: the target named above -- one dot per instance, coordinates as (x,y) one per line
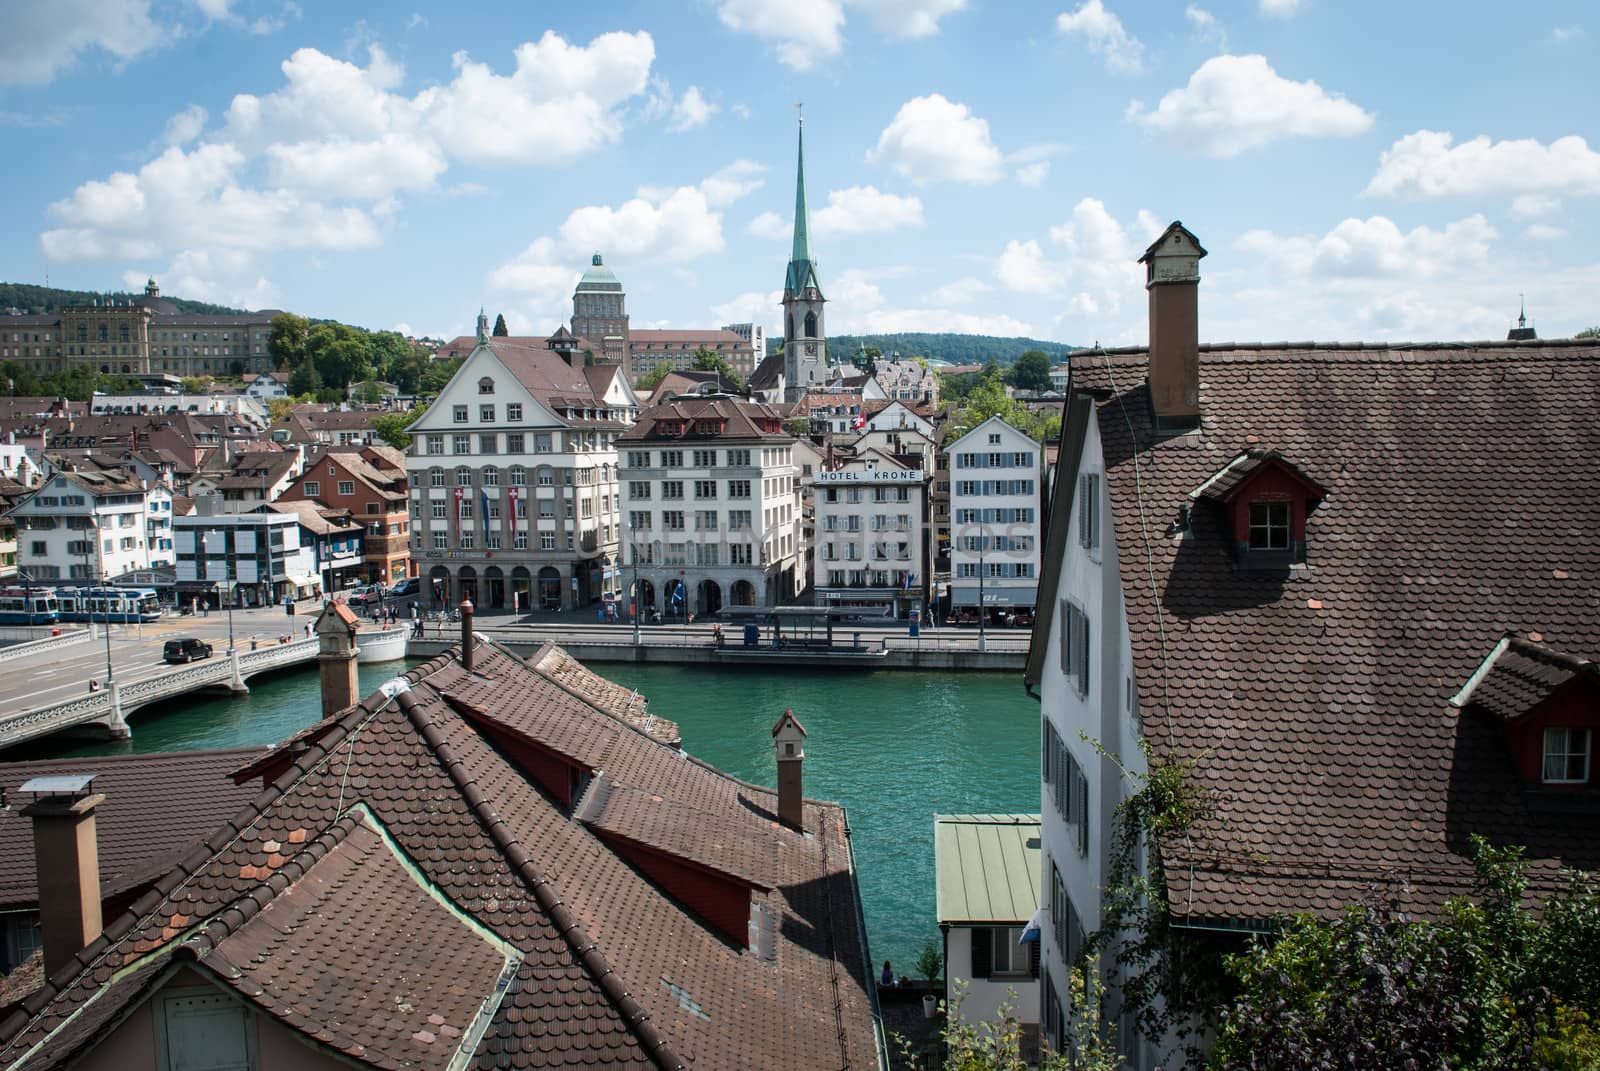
(995,519)
(256,559)
(371,484)
(711,506)
(870,525)
(512,476)
(86,525)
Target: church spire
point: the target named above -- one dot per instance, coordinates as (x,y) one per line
(802,273)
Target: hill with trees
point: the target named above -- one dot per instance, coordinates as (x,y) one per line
(43,300)
(944,346)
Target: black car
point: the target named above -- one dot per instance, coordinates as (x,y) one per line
(185,650)
(409,586)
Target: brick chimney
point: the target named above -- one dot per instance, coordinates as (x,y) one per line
(66,863)
(788,744)
(336,656)
(1173,279)
(466,634)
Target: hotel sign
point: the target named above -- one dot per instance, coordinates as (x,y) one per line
(870,476)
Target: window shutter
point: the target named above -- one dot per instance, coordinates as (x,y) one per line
(1081,810)
(1083,654)
(982,951)
(1033,959)
(1067,612)
(1044,751)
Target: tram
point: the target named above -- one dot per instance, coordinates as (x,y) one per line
(28,606)
(119,606)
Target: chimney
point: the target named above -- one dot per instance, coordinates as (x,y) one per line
(788,744)
(336,656)
(466,634)
(1173,279)
(67,864)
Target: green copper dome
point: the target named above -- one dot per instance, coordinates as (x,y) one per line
(599,279)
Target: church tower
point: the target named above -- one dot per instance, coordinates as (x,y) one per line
(805,337)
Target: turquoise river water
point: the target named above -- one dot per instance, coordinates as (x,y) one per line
(895,747)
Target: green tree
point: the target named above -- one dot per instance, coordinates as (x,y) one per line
(343,354)
(391,427)
(1031,371)
(652,379)
(435,374)
(996,1045)
(1588,332)
(390,351)
(287,340)
(196,384)
(707,361)
(305,379)
(369,393)
(500,330)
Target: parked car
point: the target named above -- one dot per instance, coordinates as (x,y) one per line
(365,595)
(409,586)
(184,650)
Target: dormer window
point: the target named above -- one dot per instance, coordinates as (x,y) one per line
(1566,756)
(1269,526)
(485,385)
(1266,501)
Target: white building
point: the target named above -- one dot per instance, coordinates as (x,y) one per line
(987,870)
(245,408)
(85,526)
(754,334)
(995,517)
(513,481)
(907,381)
(870,526)
(260,557)
(711,503)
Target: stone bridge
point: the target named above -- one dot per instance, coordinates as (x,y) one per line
(108,709)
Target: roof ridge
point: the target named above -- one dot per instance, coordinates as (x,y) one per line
(634,1014)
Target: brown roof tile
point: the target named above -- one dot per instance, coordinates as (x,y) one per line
(1459,508)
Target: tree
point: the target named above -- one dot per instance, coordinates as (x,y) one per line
(287,340)
(391,427)
(996,1045)
(652,379)
(1489,985)
(305,379)
(196,384)
(369,393)
(343,354)
(390,352)
(707,361)
(1588,332)
(500,330)
(1031,371)
(435,374)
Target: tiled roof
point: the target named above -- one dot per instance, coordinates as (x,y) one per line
(157,808)
(625,704)
(740,417)
(1518,675)
(768,372)
(405,865)
(1460,507)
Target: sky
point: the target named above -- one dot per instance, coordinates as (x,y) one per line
(1356,171)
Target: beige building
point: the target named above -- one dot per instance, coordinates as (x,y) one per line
(139,337)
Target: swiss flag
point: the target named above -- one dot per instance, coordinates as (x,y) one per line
(859,422)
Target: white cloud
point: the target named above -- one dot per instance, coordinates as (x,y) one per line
(1281,9)
(1235,103)
(185,126)
(908,18)
(1543,232)
(1426,164)
(770,225)
(670,226)
(865,210)
(1088,268)
(692,110)
(932,139)
(224,278)
(367,170)
(38,41)
(1022,268)
(752,307)
(1104,35)
(1563,34)
(962,291)
(802,33)
(1376,248)
(1205,26)
(1533,205)
(1033,174)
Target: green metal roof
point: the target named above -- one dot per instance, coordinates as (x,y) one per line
(599,278)
(987,867)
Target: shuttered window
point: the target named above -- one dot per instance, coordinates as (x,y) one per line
(1069,786)
(1089,511)
(1075,646)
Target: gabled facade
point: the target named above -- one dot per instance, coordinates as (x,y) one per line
(1322,574)
(512,477)
(996,475)
(86,525)
(371,485)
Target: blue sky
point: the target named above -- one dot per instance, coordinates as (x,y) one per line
(1356,170)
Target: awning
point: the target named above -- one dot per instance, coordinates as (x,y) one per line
(301,581)
(197,585)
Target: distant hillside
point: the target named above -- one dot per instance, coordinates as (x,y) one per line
(957,349)
(41,300)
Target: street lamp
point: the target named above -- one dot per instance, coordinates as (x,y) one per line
(233,589)
(110,679)
(983,610)
(636,608)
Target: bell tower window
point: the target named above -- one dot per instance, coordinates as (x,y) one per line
(811,325)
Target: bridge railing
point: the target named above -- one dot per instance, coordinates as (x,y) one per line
(19,728)
(49,643)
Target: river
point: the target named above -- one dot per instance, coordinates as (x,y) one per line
(895,747)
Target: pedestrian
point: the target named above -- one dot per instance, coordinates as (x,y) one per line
(308,630)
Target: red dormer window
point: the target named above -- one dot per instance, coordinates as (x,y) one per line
(1548,704)
(1266,501)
